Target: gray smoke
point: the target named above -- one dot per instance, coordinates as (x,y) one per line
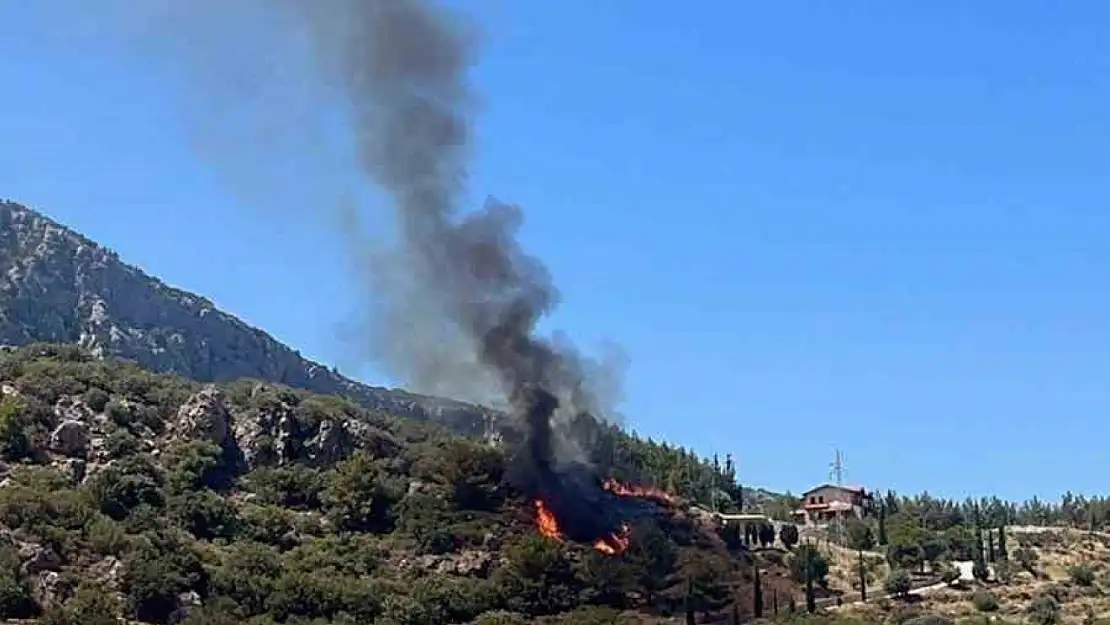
(453,303)
(403,66)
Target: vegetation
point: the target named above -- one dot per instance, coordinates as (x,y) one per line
(149,497)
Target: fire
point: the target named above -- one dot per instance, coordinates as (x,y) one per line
(640,492)
(614,544)
(546,522)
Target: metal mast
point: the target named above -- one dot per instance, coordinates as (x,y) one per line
(836,473)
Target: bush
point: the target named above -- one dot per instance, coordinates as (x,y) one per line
(1004,571)
(805,557)
(14,442)
(984,601)
(928,619)
(1044,610)
(1082,575)
(125,485)
(96,399)
(980,570)
(92,604)
(1026,559)
(898,583)
(949,574)
(501,618)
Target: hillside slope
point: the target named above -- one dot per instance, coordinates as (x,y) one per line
(156,498)
(57,286)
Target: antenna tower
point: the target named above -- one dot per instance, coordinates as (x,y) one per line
(836,470)
(836,473)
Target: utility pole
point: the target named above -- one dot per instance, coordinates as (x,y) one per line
(836,473)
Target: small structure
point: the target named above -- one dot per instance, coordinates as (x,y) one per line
(741,519)
(829,502)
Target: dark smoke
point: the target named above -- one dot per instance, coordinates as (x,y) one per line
(455,302)
(404,70)
(403,65)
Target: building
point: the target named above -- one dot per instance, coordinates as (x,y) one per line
(829,502)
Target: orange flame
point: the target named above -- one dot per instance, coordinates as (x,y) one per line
(640,492)
(614,544)
(546,522)
(548,526)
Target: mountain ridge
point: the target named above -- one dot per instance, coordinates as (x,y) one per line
(59,286)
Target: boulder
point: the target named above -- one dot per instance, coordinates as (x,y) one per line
(70,438)
(204,416)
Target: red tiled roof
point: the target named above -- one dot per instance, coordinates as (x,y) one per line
(852,488)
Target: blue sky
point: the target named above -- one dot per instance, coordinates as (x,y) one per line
(810,225)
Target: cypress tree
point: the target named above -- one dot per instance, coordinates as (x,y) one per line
(1003,554)
(990,546)
(689,604)
(882,522)
(862,579)
(757,596)
(811,602)
(775,601)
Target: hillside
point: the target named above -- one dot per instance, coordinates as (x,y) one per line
(157,498)
(1052,575)
(57,286)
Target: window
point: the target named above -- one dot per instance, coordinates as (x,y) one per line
(821,499)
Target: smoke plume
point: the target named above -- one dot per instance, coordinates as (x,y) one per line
(454,302)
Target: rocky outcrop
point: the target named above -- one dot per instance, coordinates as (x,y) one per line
(70,438)
(204,416)
(57,286)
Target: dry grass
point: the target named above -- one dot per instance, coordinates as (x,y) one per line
(1057,552)
(843,571)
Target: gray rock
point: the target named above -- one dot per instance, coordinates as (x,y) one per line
(204,416)
(61,287)
(37,558)
(70,438)
(48,590)
(108,572)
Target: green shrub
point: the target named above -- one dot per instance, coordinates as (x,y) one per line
(928,619)
(1044,610)
(15,444)
(92,604)
(898,583)
(1082,575)
(97,399)
(949,574)
(984,601)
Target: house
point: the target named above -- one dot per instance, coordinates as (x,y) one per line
(829,502)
